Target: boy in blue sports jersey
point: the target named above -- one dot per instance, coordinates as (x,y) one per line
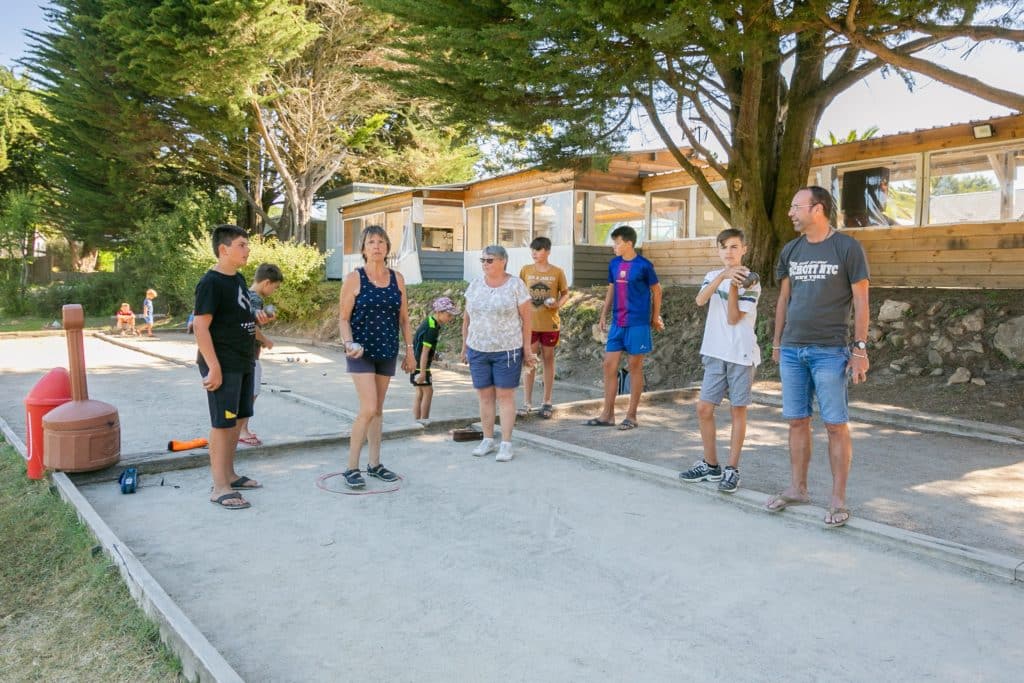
(634,299)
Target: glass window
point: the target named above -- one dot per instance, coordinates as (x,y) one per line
(709,221)
(479,227)
(613,210)
(514,224)
(579,218)
(975,185)
(553,218)
(394,224)
(441,223)
(668,214)
(882,194)
(352,232)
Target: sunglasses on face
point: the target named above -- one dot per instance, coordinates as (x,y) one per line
(488,260)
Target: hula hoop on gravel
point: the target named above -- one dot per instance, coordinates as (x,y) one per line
(321,483)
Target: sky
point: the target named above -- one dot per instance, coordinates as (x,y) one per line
(877,101)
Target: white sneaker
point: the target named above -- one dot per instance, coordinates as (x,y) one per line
(486,447)
(424,421)
(504,452)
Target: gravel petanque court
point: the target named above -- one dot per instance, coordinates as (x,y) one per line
(548,568)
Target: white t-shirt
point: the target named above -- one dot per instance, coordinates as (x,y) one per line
(733,343)
(494,321)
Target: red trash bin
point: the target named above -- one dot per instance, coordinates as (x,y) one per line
(53,390)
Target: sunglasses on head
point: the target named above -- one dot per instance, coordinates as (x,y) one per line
(488,260)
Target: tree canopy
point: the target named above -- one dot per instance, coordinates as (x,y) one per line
(754,76)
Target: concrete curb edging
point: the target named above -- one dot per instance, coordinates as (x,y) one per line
(1005,567)
(200,661)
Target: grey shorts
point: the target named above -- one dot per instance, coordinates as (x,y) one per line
(257,378)
(721,375)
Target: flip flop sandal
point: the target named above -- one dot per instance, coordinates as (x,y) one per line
(546,411)
(832,512)
(627,424)
(782,501)
(595,422)
(245,484)
(223,501)
(524,410)
(250,440)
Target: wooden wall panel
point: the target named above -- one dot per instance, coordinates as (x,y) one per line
(683,262)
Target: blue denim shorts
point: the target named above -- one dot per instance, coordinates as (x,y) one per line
(364,365)
(500,369)
(810,372)
(721,376)
(633,339)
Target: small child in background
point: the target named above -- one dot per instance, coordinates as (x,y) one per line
(425,346)
(266,281)
(147,311)
(126,319)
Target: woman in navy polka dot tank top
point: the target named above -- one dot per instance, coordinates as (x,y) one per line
(373,308)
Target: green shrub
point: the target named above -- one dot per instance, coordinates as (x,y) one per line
(98,293)
(299,298)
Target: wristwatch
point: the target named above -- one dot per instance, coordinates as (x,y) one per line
(860,344)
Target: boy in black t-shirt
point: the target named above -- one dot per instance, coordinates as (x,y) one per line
(225,328)
(424,346)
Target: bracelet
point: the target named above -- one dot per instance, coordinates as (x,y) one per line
(859,355)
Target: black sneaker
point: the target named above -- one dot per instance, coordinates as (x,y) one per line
(353,479)
(382,473)
(701,471)
(730,480)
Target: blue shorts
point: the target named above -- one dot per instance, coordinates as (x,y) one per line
(634,339)
(810,372)
(721,376)
(364,365)
(500,369)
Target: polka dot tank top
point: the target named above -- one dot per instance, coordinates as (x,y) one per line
(375,317)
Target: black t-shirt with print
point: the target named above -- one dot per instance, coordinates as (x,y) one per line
(226,298)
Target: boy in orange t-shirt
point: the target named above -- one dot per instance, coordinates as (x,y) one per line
(549,290)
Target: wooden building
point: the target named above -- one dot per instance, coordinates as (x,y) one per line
(938,207)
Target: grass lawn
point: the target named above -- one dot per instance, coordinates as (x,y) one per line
(65,614)
(27,323)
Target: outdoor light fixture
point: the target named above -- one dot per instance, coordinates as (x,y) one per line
(983,131)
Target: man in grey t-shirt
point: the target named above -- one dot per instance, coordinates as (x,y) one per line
(821,274)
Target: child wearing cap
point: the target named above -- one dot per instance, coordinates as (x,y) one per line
(425,346)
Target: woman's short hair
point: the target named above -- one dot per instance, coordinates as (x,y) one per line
(497,251)
(368,232)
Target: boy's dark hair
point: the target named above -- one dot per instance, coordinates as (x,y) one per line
(268,271)
(540,243)
(819,195)
(368,232)
(625,233)
(730,233)
(226,234)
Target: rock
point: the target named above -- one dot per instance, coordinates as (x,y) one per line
(896,341)
(937,372)
(955,329)
(974,321)
(892,310)
(918,340)
(895,366)
(935,308)
(1009,339)
(898,325)
(943,344)
(915,370)
(973,347)
(874,333)
(934,358)
(598,334)
(960,376)
(977,380)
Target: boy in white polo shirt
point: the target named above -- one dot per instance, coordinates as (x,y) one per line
(730,356)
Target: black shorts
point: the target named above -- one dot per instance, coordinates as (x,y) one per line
(427,383)
(231,400)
